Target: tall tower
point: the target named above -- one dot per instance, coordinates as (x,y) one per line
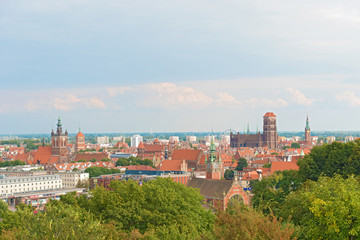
(214,165)
(59,142)
(79,141)
(270,131)
(307,131)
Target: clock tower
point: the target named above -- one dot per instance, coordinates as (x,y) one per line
(59,142)
(214,165)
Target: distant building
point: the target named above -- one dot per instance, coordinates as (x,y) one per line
(330,139)
(349,139)
(12,185)
(59,141)
(269,137)
(174,139)
(135,140)
(117,139)
(225,139)
(79,142)
(191,139)
(102,140)
(307,132)
(71,179)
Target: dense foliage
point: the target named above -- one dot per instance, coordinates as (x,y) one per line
(228,174)
(241,164)
(159,209)
(11,163)
(133,161)
(97,171)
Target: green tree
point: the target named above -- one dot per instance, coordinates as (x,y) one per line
(242,222)
(241,164)
(271,192)
(96,171)
(326,209)
(295,145)
(228,175)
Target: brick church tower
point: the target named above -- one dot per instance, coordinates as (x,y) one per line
(270,135)
(214,165)
(80,142)
(59,142)
(307,131)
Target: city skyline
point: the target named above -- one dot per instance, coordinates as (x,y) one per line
(178,67)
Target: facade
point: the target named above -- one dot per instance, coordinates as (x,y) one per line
(307,131)
(135,140)
(80,142)
(191,139)
(214,165)
(59,141)
(71,179)
(102,140)
(269,137)
(12,185)
(174,139)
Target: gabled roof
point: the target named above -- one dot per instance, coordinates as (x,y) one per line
(269,114)
(153,148)
(88,156)
(80,134)
(140,167)
(141,145)
(156,140)
(171,165)
(281,166)
(185,154)
(42,154)
(211,188)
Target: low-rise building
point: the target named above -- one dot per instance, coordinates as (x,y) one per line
(70,180)
(12,185)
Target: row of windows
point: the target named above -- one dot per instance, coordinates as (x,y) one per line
(31,184)
(27,179)
(22,190)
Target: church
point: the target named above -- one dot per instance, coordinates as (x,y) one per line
(269,137)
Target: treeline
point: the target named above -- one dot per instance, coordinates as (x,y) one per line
(133,161)
(11,163)
(159,209)
(31,144)
(96,171)
(322,199)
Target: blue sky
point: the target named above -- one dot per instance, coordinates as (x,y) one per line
(135,66)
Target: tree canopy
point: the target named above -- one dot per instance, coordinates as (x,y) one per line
(133,161)
(96,171)
(241,164)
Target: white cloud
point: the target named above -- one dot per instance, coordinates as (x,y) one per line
(170,95)
(265,102)
(71,101)
(299,97)
(349,97)
(113,91)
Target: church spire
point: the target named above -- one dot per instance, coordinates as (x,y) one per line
(307,122)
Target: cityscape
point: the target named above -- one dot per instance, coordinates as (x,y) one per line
(177,120)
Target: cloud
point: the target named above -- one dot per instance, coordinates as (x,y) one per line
(113,91)
(299,97)
(349,97)
(71,101)
(265,102)
(169,95)
(228,100)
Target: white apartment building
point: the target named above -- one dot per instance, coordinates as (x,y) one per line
(191,139)
(174,139)
(135,140)
(102,140)
(12,185)
(71,179)
(225,139)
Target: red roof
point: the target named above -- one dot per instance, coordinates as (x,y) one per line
(156,140)
(141,145)
(42,154)
(171,165)
(269,114)
(140,167)
(281,166)
(185,154)
(80,135)
(89,156)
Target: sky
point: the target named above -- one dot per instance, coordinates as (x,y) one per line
(166,66)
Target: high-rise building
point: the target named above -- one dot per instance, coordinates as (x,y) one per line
(59,142)
(102,140)
(135,140)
